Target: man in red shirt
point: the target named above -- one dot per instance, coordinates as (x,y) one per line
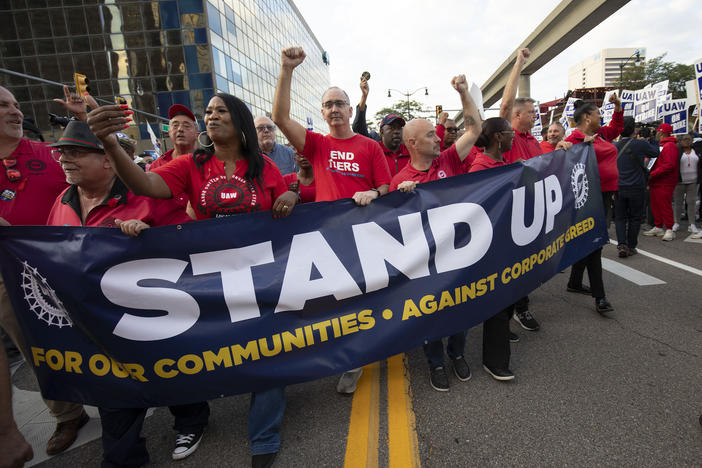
(183,131)
(662,181)
(446,130)
(428,163)
(345,164)
(554,135)
(520,112)
(96,197)
(29,184)
(396,153)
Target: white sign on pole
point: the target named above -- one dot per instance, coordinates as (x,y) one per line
(537,129)
(154,140)
(570,107)
(607,108)
(627,99)
(477,96)
(645,108)
(674,112)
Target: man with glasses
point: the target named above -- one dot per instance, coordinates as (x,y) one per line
(183,131)
(97,197)
(446,130)
(30,181)
(282,156)
(345,164)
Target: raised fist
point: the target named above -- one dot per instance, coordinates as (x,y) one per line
(460,83)
(614,99)
(291,57)
(523,55)
(443,117)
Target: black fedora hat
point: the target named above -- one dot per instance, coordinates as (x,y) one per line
(77,133)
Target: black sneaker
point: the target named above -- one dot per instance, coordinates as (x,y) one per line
(581,289)
(186,444)
(438,379)
(526,320)
(630,252)
(622,250)
(264,460)
(499,374)
(602,305)
(513,337)
(461,369)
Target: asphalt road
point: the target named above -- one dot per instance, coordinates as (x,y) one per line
(621,390)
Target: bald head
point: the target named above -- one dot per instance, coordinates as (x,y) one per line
(336,89)
(420,138)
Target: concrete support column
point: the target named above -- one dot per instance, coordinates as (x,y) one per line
(524,86)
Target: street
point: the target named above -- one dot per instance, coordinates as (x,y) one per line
(620,390)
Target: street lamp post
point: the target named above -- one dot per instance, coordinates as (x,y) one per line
(408,94)
(636,54)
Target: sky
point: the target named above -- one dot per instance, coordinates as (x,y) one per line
(410,44)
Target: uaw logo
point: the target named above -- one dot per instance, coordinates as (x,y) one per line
(442,174)
(579,184)
(42,299)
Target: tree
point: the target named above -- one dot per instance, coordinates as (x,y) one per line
(400,108)
(655,70)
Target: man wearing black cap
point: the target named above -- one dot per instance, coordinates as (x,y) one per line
(96,197)
(396,153)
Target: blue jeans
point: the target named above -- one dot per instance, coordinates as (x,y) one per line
(455,348)
(265,418)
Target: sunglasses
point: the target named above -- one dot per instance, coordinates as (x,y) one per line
(13,175)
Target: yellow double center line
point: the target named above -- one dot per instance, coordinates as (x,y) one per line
(362,440)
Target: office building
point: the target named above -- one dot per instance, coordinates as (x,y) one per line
(158,53)
(603,68)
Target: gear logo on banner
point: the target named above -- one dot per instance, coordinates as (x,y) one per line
(42,299)
(579,184)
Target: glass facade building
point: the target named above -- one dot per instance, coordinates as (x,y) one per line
(158,53)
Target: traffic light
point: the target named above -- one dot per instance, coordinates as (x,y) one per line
(439,109)
(81,84)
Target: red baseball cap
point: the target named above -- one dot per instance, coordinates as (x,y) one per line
(176,109)
(665,128)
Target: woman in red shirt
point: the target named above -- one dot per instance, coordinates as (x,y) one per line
(230,176)
(496,137)
(587,121)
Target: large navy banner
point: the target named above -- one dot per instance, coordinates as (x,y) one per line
(206,309)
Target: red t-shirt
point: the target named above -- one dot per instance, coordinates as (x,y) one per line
(524,146)
(181,199)
(397,160)
(211,195)
(547,147)
(483,161)
(119,204)
(447,164)
(29,200)
(307,192)
(345,166)
(468,162)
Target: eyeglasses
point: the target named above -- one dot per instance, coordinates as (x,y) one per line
(183,125)
(263,128)
(73,153)
(331,104)
(13,175)
(452,129)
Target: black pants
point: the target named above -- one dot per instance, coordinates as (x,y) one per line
(122,443)
(628,209)
(496,350)
(593,263)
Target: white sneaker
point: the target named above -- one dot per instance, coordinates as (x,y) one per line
(656,231)
(669,235)
(676,226)
(697,235)
(693,228)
